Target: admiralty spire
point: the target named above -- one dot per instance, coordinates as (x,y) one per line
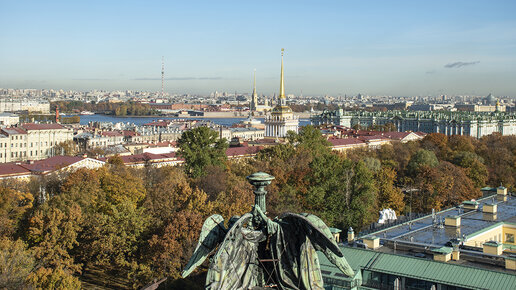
(282,119)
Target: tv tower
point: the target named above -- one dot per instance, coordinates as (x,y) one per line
(162,75)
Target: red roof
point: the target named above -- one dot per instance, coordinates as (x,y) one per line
(51,163)
(396,135)
(345,141)
(373,138)
(13,131)
(130,133)
(239,151)
(111,133)
(139,158)
(160,123)
(13,169)
(32,126)
(164,144)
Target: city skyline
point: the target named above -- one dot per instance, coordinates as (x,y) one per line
(395,48)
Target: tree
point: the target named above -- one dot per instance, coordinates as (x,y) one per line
(442,186)
(68,148)
(48,278)
(13,206)
(16,263)
(53,234)
(309,138)
(201,147)
(438,143)
(473,167)
(172,246)
(421,158)
(389,196)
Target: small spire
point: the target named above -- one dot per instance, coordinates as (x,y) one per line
(282,87)
(254,84)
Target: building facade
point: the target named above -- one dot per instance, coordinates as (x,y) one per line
(32,141)
(449,123)
(24,105)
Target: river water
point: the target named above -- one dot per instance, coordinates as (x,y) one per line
(85,119)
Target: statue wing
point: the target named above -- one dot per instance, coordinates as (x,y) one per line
(212,234)
(321,238)
(235,265)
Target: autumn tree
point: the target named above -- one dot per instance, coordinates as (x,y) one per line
(52,235)
(389,196)
(201,147)
(13,206)
(473,167)
(16,263)
(68,148)
(438,143)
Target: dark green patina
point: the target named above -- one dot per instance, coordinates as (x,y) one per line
(255,251)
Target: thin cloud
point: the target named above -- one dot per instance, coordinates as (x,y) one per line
(459,64)
(92,79)
(181,79)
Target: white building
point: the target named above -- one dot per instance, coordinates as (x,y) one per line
(8,119)
(32,141)
(282,119)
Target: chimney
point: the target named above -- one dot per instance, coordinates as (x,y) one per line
(442,254)
(452,221)
(351,236)
(501,193)
(490,208)
(372,242)
(493,248)
(455,250)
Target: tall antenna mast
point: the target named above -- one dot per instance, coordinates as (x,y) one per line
(162,75)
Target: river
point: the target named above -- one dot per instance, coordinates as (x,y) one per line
(85,119)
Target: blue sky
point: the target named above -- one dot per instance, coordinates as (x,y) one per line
(331,47)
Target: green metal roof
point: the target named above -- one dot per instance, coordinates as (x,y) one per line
(443,250)
(493,243)
(423,269)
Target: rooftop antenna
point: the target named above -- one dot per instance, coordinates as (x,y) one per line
(162,75)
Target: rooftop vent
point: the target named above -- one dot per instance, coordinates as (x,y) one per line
(452,221)
(493,248)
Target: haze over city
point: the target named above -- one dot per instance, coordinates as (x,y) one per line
(333,47)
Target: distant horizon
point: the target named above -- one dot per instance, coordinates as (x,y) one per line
(396,48)
(259,94)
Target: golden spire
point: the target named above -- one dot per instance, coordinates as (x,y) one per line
(282,88)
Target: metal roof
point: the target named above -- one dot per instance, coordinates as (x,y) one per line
(419,268)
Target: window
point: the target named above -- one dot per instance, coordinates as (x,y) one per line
(509,238)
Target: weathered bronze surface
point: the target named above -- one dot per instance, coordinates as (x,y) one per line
(256,252)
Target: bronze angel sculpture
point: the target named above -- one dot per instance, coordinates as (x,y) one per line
(255,251)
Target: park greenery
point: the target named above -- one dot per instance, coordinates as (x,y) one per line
(125,227)
(122,109)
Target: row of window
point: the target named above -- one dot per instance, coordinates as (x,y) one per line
(22,154)
(32,144)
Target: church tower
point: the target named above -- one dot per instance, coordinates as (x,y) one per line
(282,119)
(254,97)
